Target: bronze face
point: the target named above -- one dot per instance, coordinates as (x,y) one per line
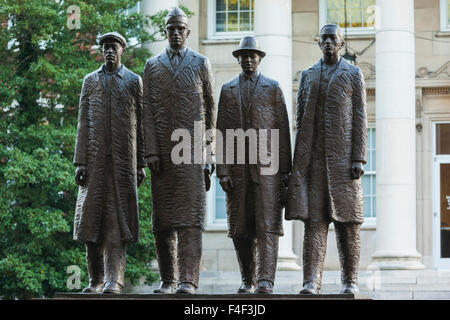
(331,41)
(249,61)
(177,33)
(112,52)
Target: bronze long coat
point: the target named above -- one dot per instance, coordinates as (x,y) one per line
(127,150)
(267,110)
(345,122)
(174,100)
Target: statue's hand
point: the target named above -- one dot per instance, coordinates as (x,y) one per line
(209,169)
(357,170)
(81,175)
(141,176)
(226,183)
(154,163)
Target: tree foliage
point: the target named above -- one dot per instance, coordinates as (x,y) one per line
(42,65)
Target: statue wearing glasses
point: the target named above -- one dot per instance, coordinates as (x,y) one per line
(178,90)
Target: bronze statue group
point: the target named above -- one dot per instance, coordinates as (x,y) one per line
(125,124)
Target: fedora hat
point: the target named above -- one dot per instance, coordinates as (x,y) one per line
(115,36)
(246,44)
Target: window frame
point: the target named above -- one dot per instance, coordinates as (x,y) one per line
(350,31)
(371,221)
(214,35)
(443,8)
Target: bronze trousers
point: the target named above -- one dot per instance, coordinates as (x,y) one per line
(316,231)
(257,252)
(314,248)
(180,255)
(107,259)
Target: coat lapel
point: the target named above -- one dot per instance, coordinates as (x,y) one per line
(187,60)
(165,60)
(260,86)
(316,69)
(342,67)
(236,93)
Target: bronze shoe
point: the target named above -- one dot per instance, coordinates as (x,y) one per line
(94,287)
(186,287)
(349,288)
(264,287)
(246,288)
(165,288)
(112,287)
(309,288)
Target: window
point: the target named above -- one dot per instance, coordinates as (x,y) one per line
(442,138)
(369,179)
(445,15)
(216,206)
(230,18)
(360,15)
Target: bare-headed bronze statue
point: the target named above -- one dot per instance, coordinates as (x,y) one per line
(109,156)
(330,151)
(252,101)
(178,90)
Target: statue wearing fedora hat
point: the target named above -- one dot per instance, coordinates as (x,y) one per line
(178,90)
(254,200)
(330,151)
(109,160)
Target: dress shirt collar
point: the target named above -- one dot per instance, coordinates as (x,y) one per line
(253,77)
(182,51)
(119,71)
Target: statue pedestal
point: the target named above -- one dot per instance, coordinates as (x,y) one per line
(199,297)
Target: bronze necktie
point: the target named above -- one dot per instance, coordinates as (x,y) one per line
(175,60)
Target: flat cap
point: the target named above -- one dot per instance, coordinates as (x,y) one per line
(113,35)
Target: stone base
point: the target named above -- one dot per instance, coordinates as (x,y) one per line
(287,263)
(395,261)
(223,297)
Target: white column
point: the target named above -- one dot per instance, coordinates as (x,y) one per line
(273,30)
(395,137)
(151,7)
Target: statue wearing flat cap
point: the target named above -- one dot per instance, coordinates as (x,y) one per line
(254,199)
(109,160)
(178,90)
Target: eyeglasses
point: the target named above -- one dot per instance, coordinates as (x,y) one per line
(178,29)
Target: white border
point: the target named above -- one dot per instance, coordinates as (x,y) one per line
(350,31)
(212,34)
(445,27)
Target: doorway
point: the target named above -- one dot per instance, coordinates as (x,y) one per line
(441,195)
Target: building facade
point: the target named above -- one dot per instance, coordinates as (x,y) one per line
(403,49)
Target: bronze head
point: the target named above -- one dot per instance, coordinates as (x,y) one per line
(331,40)
(113,46)
(249,54)
(177,28)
